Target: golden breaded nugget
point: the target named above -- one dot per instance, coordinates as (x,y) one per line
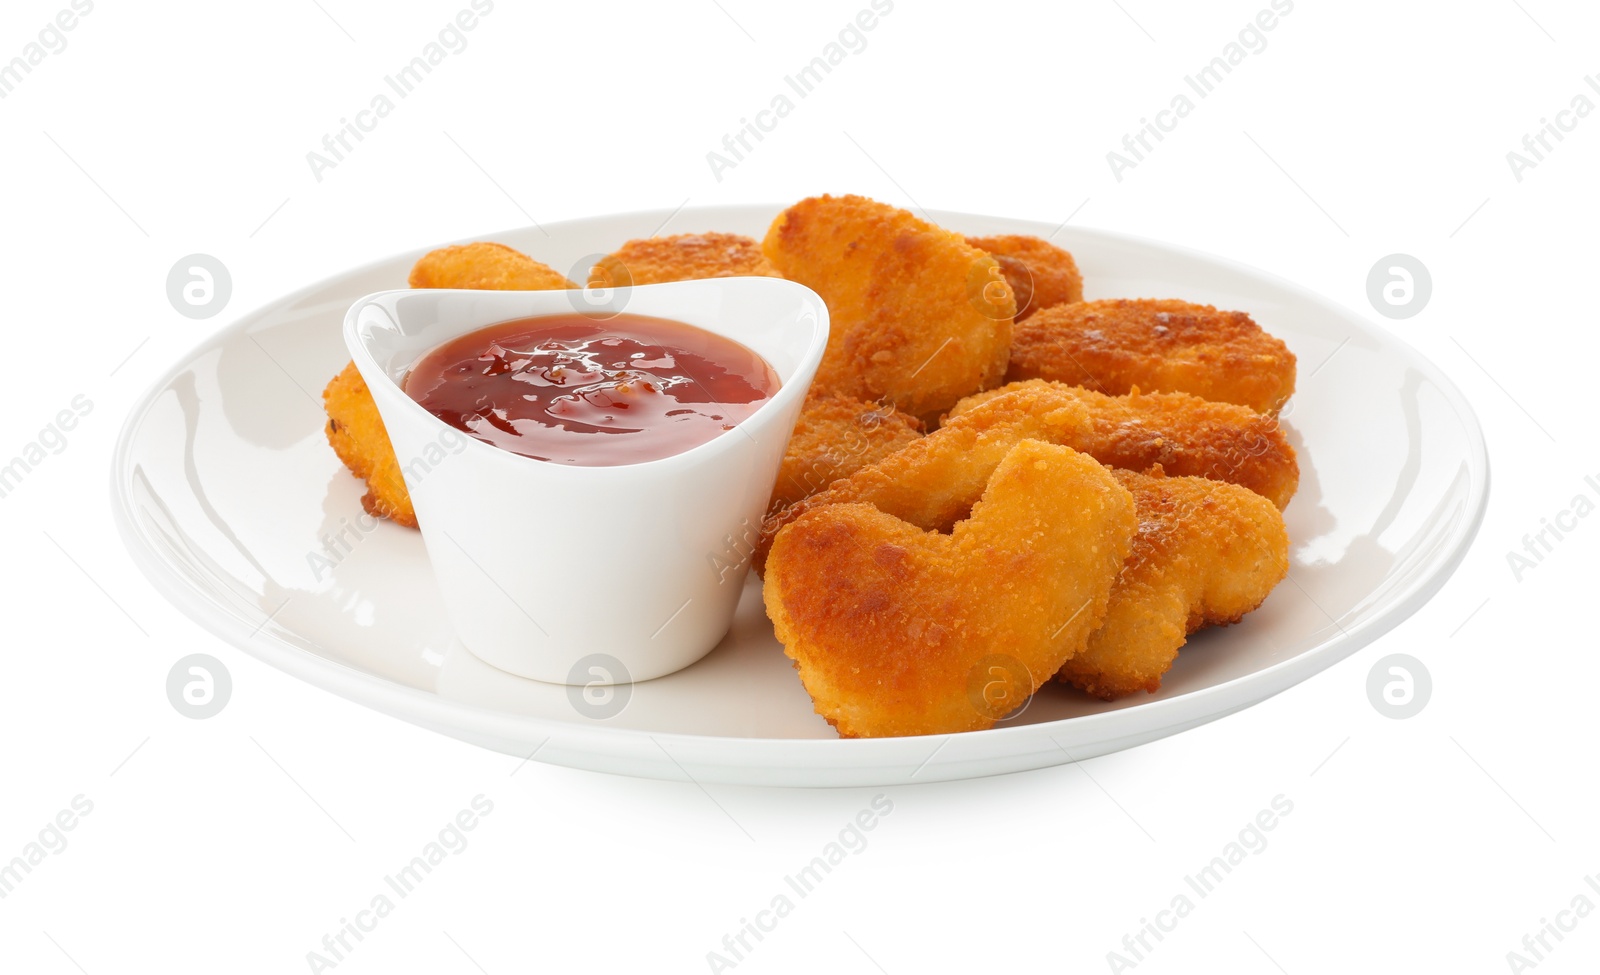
(1206,552)
(836,436)
(919,317)
(930,482)
(686,257)
(485,266)
(1187,435)
(1157,345)
(900,631)
(355,430)
(1041,274)
(356,434)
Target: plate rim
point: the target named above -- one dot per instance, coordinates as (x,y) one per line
(479,724)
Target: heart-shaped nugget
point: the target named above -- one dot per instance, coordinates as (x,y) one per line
(900,631)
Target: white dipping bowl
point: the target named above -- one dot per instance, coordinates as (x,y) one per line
(590,575)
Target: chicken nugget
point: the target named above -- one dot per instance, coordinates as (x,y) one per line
(356,433)
(919,317)
(896,630)
(1041,274)
(355,429)
(932,481)
(836,436)
(485,266)
(1206,552)
(1187,435)
(1157,345)
(685,257)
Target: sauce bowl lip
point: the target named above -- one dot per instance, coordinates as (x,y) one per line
(788,390)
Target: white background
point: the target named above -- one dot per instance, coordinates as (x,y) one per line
(1363,129)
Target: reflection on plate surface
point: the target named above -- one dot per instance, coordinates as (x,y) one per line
(231,500)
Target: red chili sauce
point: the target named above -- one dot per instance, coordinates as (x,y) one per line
(591,392)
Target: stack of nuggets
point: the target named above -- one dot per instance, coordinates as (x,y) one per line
(1122,491)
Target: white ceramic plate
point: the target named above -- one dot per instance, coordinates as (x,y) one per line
(229,497)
